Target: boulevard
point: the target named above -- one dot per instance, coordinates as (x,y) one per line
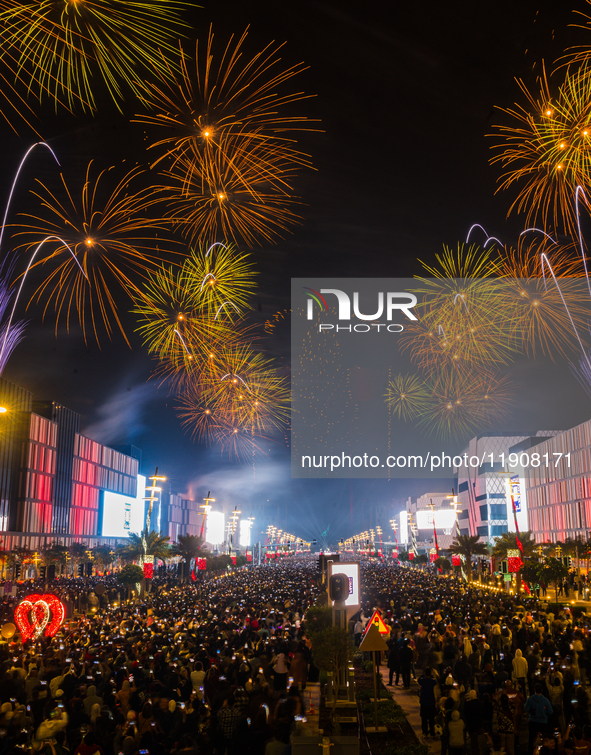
(227,665)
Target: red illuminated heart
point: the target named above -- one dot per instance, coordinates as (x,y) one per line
(37,614)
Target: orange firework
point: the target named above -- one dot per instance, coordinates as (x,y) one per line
(545,300)
(241,401)
(218,95)
(236,196)
(114,239)
(545,149)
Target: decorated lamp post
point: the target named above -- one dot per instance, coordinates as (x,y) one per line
(413,535)
(379,531)
(233,524)
(147,561)
(206,509)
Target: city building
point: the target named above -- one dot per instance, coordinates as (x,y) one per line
(557,485)
(425,519)
(484,492)
(56,484)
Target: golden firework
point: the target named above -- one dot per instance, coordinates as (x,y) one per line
(460,323)
(220,277)
(241,401)
(114,239)
(63,48)
(406,396)
(545,300)
(545,149)
(190,313)
(232,198)
(218,95)
(461,404)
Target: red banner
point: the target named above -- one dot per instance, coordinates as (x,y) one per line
(514,565)
(456,561)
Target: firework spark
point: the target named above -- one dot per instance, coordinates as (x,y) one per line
(242,401)
(62,49)
(460,323)
(406,396)
(114,240)
(459,405)
(229,93)
(544,314)
(182,308)
(239,195)
(11,333)
(545,149)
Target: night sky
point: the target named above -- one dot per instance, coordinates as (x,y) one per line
(406,94)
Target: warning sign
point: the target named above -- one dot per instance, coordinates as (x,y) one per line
(376,619)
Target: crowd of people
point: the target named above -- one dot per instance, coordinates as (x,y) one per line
(490,666)
(200,668)
(221,666)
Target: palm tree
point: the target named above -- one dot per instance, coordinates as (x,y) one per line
(188,547)
(146,544)
(467,546)
(18,557)
(77,552)
(102,555)
(55,554)
(508,542)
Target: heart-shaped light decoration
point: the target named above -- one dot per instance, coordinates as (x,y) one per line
(37,614)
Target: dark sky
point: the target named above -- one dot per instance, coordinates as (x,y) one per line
(406,95)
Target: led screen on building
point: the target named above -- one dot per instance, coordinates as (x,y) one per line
(122,515)
(244,533)
(515,486)
(351,570)
(215,528)
(403,534)
(445,519)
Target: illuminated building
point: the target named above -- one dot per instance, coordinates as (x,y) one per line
(422,514)
(484,490)
(559,489)
(58,484)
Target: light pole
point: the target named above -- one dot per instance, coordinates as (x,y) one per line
(206,509)
(234,517)
(153,488)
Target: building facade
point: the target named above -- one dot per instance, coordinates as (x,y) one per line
(485,492)
(559,489)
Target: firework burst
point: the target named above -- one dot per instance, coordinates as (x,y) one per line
(542,313)
(459,404)
(63,48)
(237,196)
(241,401)
(189,313)
(545,149)
(113,240)
(460,324)
(220,95)
(407,396)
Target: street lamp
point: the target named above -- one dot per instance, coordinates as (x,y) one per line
(206,509)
